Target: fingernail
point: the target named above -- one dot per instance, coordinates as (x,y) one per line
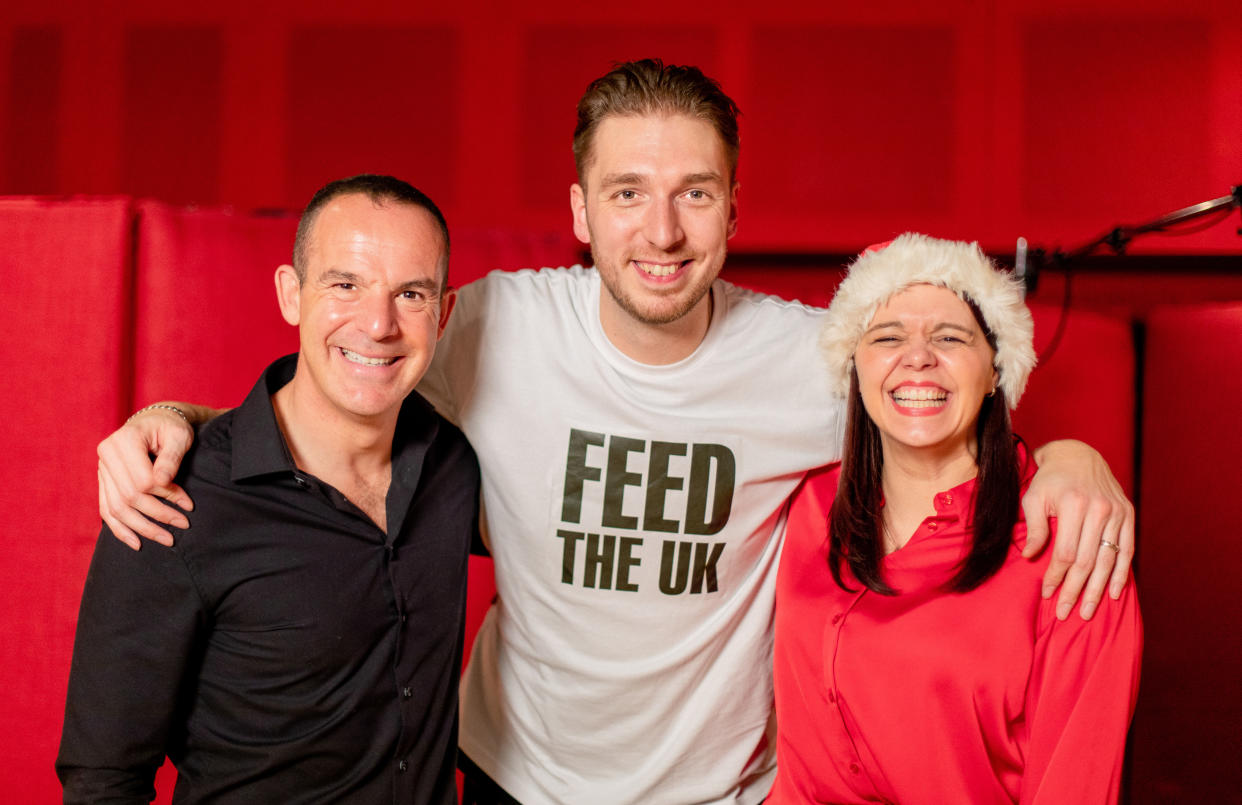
(181,522)
(1048,590)
(1063,611)
(1114,591)
(1088,609)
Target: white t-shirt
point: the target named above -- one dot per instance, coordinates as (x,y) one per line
(635,515)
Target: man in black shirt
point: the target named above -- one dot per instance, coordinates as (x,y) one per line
(302,640)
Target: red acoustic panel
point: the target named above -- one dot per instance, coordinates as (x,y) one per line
(475,252)
(171,118)
(32,117)
(1085,389)
(67,268)
(854,119)
(560,62)
(364,99)
(1117,119)
(206,319)
(1188,725)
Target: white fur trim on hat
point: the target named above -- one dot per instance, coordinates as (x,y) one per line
(914,259)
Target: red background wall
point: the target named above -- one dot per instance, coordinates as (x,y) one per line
(984,120)
(967,118)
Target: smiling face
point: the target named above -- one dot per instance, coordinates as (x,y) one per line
(657,207)
(369,311)
(924,366)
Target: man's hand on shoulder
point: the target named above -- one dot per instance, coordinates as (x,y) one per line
(1095,525)
(132,487)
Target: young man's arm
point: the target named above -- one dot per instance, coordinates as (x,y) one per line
(1095,525)
(139,622)
(1074,485)
(132,487)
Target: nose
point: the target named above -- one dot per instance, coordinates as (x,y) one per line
(663,225)
(919,354)
(379,316)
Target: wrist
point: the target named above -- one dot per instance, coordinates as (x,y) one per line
(164,407)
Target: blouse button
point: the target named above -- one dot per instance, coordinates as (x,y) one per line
(854,769)
(832,697)
(836,619)
(932,526)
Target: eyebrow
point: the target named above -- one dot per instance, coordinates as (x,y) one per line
(944,325)
(614,179)
(704,177)
(337,275)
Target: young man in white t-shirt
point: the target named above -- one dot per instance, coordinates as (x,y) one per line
(639,426)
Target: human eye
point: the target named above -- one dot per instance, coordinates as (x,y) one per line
(626,194)
(697,195)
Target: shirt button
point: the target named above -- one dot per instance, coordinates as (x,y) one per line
(932,526)
(832,697)
(853,768)
(836,619)
(404,617)
(406,693)
(948,500)
(403,766)
(302,482)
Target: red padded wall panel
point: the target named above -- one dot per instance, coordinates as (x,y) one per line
(32,117)
(66,265)
(365,99)
(206,320)
(1085,389)
(1117,121)
(1188,726)
(171,124)
(854,99)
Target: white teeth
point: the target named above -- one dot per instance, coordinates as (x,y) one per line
(354,357)
(658,270)
(918,397)
(919,403)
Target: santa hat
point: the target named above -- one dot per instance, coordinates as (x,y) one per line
(914,259)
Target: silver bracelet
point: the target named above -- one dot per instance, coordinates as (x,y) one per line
(172,408)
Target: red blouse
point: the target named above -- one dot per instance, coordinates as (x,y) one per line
(939,697)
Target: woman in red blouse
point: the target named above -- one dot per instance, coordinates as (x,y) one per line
(916,660)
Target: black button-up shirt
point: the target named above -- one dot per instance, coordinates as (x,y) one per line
(286,649)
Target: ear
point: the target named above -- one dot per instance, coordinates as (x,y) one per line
(577,203)
(289,294)
(732,230)
(447,300)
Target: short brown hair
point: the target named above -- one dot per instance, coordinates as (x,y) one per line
(380,190)
(650,87)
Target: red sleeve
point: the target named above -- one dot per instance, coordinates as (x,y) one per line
(1083,686)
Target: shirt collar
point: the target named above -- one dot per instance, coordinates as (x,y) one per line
(959,502)
(259,447)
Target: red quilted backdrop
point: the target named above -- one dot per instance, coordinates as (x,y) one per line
(65,369)
(1052,119)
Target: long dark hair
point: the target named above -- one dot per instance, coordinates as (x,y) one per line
(854,524)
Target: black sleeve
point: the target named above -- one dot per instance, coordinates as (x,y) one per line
(138,625)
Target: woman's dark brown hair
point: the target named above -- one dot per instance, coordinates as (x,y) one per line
(855,523)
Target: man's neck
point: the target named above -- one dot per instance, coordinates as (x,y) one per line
(351,454)
(655,344)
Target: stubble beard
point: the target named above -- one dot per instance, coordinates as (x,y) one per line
(657,314)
